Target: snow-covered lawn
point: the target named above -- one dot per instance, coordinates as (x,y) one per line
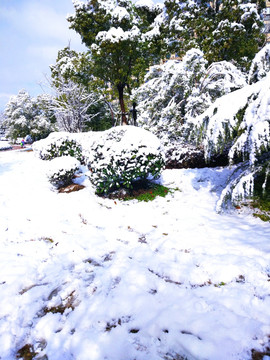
(88,278)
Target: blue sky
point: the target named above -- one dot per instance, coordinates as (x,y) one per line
(31,34)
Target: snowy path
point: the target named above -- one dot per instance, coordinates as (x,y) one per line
(87,278)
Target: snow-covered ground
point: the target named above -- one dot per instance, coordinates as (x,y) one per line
(5,145)
(88,278)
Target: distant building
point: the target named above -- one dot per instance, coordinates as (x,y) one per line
(266,19)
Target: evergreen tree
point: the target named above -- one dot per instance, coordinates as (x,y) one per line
(29,116)
(121,37)
(72,65)
(230,30)
(177,91)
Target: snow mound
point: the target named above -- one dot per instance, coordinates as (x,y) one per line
(4,145)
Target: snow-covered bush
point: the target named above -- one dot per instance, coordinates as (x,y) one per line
(243,182)
(260,65)
(220,79)
(240,122)
(58,144)
(4,145)
(180,155)
(162,98)
(179,90)
(61,171)
(122,155)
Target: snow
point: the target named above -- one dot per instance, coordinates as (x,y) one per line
(260,65)
(115,35)
(145,3)
(119,13)
(155,280)
(4,145)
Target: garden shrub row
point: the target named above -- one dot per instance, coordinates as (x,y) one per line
(116,158)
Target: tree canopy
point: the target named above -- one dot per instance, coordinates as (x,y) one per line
(230,30)
(29,116)
(123,40)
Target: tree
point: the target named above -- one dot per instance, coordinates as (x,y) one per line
(73,68)
(162,98)
(29,116)
(2,118)
(72,65)
(229,30)
(122,39)
(71,106)
(178,90)
(239,123)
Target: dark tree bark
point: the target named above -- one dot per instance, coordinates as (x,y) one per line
(120,88)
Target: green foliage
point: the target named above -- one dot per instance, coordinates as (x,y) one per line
(102,119)
(262,183)
(62,171)
(61,147)
(152,190)
(61,178)
(123,169)
(261,199)
(227,30)
(263,217)
(71,65)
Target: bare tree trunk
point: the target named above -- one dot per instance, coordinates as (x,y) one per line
(120,89)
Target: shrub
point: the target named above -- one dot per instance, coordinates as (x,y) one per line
(4,145)
(57,145)
(61,170)
(122,155)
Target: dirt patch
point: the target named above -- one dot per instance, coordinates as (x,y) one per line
(17,147)
(71,188)
(26,352)
(259,355)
